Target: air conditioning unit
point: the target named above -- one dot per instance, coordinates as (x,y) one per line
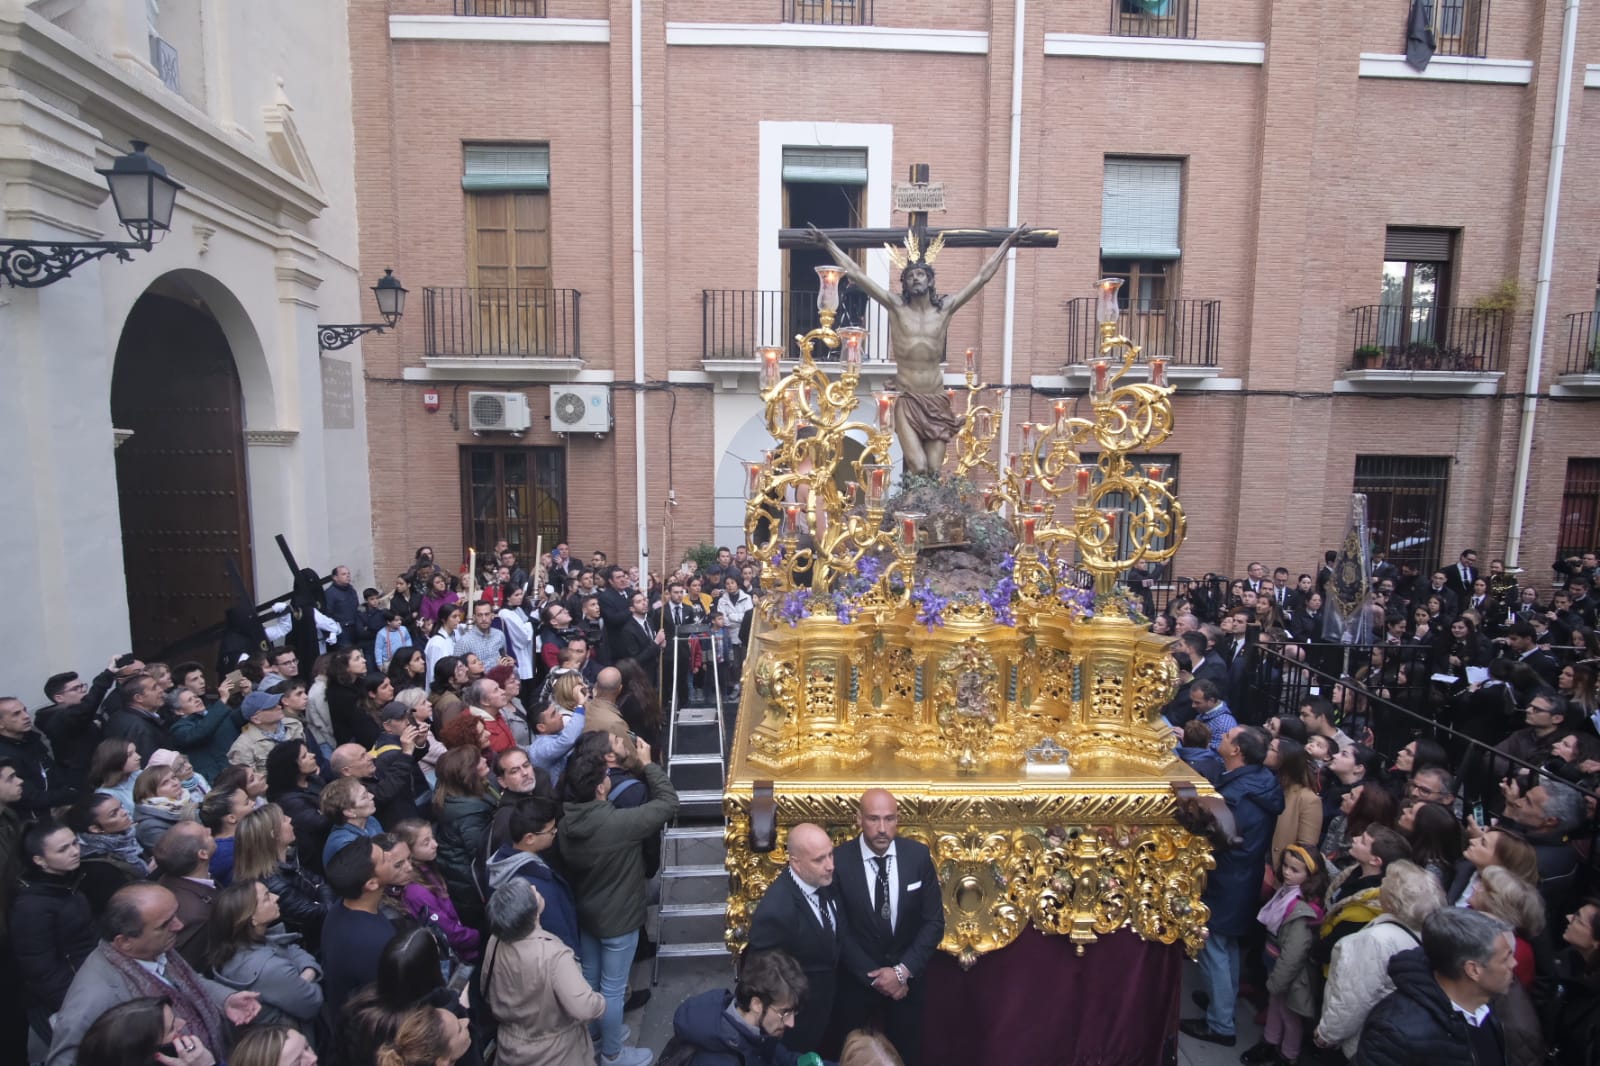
(498,412)
(580,408)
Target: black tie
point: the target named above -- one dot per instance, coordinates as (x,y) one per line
(827,919)
(677,616)
(880,891)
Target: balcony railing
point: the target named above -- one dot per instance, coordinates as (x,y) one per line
(1154,18)
(1183,332)
(520,9)
(501,323)
(1460,339)
(828,12)
(1583,344)
(735,322)
(1460,27)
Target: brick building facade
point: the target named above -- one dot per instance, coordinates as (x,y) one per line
(1278,186)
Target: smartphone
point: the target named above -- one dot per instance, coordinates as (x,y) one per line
(234,678)
(1477,815)
(124,661)
(169,1050)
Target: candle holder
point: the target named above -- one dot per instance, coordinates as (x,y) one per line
(771,370)
(852,342)
(828,276)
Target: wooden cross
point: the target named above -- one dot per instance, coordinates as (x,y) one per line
(954,236)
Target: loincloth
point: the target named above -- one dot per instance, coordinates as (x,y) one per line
(928,415)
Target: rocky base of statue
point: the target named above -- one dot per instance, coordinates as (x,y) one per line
(962,548)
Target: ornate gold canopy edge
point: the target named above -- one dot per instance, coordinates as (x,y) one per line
(1082,862)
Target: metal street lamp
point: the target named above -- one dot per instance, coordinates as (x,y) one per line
(391,297)
(144,197)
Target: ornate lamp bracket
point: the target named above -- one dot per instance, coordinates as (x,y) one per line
(331,338)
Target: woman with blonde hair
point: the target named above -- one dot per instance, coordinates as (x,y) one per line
(570,692)
(159,803)
(272,1045)
(261,852)
(429,1036)
(251,951)
(863,1047)
(1508,897)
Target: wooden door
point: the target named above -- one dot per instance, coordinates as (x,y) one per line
(509,257)
(181,476)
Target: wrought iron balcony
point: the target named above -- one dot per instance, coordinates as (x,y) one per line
(1183,332)
(524,9)
(735,322)
(828,12)
(1583,344)
(469,323)
(1463,340)
(1154,18)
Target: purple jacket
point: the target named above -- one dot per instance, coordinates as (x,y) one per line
(429,903)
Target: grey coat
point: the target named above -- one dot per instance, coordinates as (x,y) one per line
(272,970)
(97,988)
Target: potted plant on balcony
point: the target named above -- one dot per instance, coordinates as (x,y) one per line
(1369,357)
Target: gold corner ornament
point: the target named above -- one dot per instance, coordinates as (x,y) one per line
(1015,715)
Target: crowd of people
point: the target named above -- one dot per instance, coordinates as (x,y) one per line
(1408,877)
(379,833)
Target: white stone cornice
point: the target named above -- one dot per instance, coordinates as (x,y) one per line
(523,30)
(1099,46)
(857,38)
(1449,68)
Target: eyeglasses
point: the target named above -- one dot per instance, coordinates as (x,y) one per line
(786,1013)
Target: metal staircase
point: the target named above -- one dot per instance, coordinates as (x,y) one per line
(694,881)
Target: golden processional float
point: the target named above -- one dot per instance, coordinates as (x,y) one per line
(963,641)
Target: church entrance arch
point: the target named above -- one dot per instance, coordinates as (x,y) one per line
(181,488)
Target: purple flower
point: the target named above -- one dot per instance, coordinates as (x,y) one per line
(795,606)
(930,606)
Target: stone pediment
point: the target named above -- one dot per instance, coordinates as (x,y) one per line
(288,151)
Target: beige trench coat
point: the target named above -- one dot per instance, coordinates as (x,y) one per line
(543,1004)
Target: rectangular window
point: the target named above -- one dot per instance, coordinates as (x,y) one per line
(1414,303)
(508,247)
(1460,27)
(1406,498)
(829,12)
(822,187)
(1153,18)
(1580,508)
(519,494)
(1139,226)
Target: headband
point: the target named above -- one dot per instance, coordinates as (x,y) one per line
(1303,855)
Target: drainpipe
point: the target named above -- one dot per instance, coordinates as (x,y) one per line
(1008,338)
(636,85)
(1541,289)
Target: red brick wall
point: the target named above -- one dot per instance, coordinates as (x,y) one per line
(1293,171)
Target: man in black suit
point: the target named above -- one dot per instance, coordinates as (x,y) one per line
(614,612)
(637,639)
(800,914)
(1439,585)
(1522,643)
(894,920)
(1459,578)
(676,613)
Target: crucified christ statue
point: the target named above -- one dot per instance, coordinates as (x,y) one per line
(919,322)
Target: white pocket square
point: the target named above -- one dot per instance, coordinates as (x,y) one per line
(914,887)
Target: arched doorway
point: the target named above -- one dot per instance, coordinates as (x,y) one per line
(181,474)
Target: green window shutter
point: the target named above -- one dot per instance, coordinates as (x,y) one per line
(506,167)
(834,166)
(1139,209)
